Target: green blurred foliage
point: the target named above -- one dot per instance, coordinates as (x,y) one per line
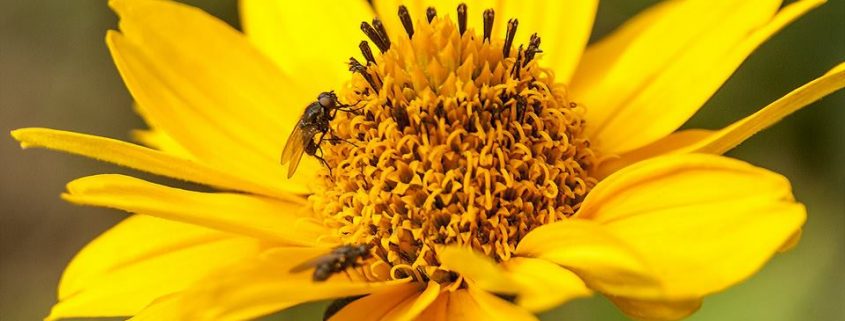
(55,72)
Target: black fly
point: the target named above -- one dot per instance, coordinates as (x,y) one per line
(314,120)
(336,261)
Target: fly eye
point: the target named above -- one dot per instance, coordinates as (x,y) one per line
(326,100)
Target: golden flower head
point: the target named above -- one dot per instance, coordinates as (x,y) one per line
(458,138)
(473,162)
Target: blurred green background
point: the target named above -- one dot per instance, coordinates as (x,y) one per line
(55,72)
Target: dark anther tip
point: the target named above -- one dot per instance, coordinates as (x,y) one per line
(430,13)
(462,18)
(405,17)
(511,32)
(488,16)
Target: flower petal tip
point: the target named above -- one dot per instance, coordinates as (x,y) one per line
(17,135)
(24,136)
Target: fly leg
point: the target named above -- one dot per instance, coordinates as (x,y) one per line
(323,160)
(355,111)
(334,139)
(312,149)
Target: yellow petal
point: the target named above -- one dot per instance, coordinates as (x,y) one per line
(437,310)
(265,285)
(721,141)
(204,84)
(139,260)
(144,159)
(702,222)
(310,41)
(249,215)
(704,248)
(481,270)
(624,61)
(400,303)
(680,180)
(157,137)
(377,304)
(160,140)
(792,241)
(673,78)
(410,309)
(462,307)
(498,309)
(733,135)
(676,142)
(544,285)
(657,310)
(605,262)
(165,308)
(564,27)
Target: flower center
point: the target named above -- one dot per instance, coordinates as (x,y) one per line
(457,139)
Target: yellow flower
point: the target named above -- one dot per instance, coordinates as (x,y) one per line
(488,172)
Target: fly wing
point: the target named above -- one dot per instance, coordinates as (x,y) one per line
(295,146)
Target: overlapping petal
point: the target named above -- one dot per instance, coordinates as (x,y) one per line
(437,310)
(229,100)
(258,287)
(544,285)
(400,303)
(159,140)
(168,307)
(537,284)
(657,310)
(140,260)
(263,218)
(604,261)
(664,64)
(725,139)
(497,309)
(479,269)
(701,222)
(145,159)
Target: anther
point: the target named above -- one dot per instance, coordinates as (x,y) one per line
(512,24)
(533,49)
(405,17)
(355,66)
(430,13)
(368,54)
(462,18)
(382,32)
(488,23)
(374,36)
(518,63)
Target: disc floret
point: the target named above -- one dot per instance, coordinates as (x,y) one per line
(460,139)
